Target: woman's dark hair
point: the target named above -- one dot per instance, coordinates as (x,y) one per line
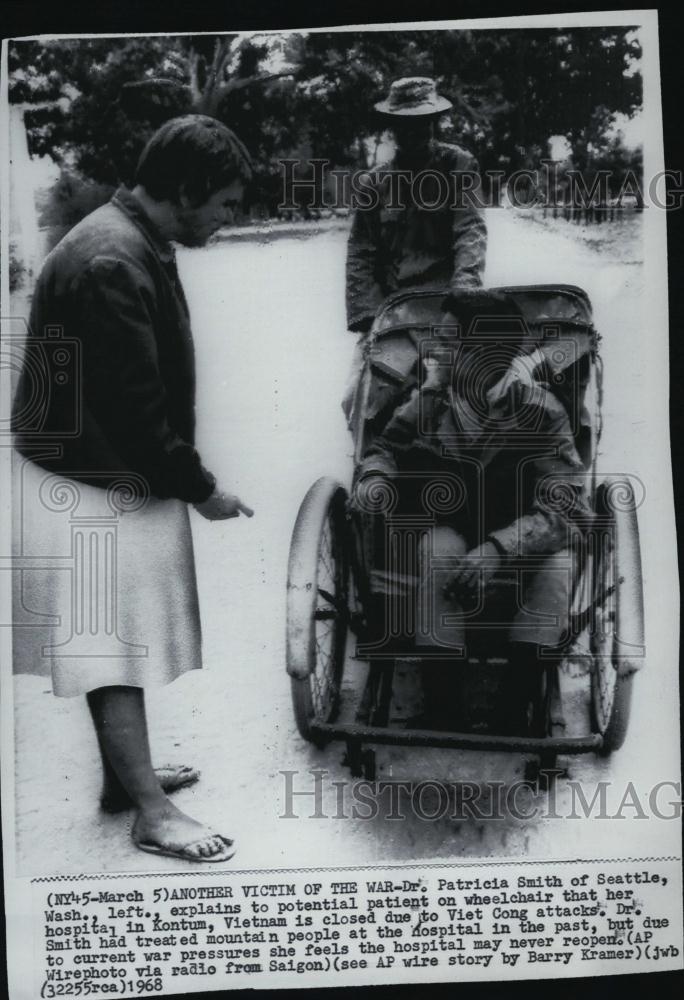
(193,155)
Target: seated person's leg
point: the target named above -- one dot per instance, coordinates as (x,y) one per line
(435,634)
(539,626)
(439,553)
(542,615)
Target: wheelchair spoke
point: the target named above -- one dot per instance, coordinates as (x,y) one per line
(326,557)
(605,604)
(329,618)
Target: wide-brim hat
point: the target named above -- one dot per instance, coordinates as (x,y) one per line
(412,97)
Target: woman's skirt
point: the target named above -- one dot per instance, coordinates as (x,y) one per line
(104,587)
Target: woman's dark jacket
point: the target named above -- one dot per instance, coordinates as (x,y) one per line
(110,296)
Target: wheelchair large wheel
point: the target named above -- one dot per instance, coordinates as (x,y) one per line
(617,625)
(317,599)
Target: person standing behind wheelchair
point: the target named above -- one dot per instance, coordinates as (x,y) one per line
(421,228)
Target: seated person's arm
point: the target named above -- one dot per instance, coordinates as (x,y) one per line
(560,508)
(399,435)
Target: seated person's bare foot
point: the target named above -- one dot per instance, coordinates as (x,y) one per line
(171,777)
(168,831)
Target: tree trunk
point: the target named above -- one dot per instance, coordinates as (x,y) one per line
(213,87)
(195,90)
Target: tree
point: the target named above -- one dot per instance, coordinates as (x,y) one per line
(79,119)
(101,99)
(303,95)
(511,89)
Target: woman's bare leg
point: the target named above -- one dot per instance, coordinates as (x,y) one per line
(111,786)
(114,796)
(121,726)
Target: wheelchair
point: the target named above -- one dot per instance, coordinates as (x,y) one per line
(342,649)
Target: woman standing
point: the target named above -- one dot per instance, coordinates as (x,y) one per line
(104,421)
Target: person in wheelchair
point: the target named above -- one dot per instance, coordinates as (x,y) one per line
(497,563)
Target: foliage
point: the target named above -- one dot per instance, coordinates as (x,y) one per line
(17,270)
(71,198)
(511,90)
(302,95)
(91,131)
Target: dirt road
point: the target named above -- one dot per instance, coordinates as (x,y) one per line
(272,359)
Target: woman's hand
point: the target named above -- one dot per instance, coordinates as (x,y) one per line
(220,506)
(474,572)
